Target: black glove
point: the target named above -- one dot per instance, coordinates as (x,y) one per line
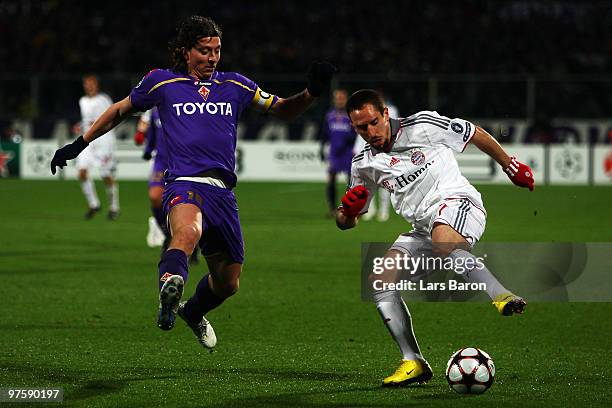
(68,152)
(146,156)
(320,75)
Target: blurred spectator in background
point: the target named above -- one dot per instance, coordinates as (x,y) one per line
(541,131)
(549,37)
(548,41)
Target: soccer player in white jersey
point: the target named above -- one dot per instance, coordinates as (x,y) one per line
(101,154)
(413,159)
(384,197)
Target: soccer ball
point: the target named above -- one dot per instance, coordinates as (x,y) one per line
(470,371)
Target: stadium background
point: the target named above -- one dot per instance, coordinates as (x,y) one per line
(81,307)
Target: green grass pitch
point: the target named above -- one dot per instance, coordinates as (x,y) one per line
(79,304)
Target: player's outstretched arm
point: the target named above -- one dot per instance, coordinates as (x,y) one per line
(320,75)
(487,144)
(519,173)
(114,115)
(111,117)
(293,106)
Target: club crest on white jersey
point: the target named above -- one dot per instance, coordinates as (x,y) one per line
(417,158)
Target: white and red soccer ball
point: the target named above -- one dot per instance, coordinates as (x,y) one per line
(470,371)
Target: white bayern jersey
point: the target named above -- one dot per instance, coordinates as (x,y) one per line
(420,171)
(91,108)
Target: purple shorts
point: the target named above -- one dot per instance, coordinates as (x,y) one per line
(157,174)
(340,164)
(220,223)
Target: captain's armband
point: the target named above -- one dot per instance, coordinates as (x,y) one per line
(263,101)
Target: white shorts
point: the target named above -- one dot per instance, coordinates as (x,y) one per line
(100,156)
(465,215)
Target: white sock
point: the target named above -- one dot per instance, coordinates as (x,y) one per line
(89,189)
(396,317)
(384,197)
(479,274)
(112,192)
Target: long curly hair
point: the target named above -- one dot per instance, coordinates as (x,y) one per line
(188,34)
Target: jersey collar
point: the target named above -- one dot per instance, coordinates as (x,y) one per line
(395,126)
(198,81)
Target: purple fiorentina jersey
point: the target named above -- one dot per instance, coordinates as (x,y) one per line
(200,118)
(340,133)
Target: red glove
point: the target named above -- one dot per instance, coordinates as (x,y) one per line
(354,200)
(520,173)
(139,138)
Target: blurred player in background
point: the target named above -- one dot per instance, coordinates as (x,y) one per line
(339,134)
(384,197)
(101,155)
(199,108)
(413,159)
(149,130)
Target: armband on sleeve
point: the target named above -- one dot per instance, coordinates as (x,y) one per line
(263,101)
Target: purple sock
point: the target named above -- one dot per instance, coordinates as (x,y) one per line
(158,214)
(172,262)
(202,302)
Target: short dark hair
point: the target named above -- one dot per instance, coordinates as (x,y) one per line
(188,34)
(363,97)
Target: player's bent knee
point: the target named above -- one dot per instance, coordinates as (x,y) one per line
(446,239)
(442,250)
(187,235)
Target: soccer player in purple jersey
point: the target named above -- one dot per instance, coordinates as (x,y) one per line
(199,108)
(339,133)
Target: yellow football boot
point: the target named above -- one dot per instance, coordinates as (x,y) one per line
(508,303)
(409,372)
